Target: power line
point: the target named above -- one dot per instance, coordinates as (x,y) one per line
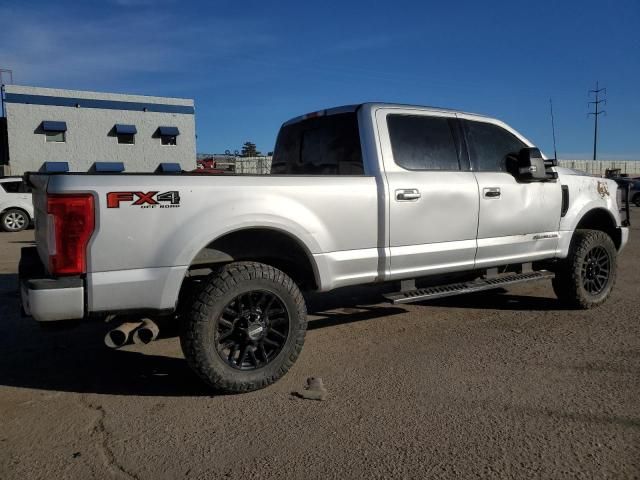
(596,114)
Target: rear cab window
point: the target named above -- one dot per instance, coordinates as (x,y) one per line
(324,145)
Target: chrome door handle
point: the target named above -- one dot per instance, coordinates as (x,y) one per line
(492,192)
(407,194)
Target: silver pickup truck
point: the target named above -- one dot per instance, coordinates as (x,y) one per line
(439,202)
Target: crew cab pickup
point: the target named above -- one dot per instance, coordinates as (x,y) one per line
(440,202)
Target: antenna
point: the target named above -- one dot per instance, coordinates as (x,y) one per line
(553,130)
(596,114)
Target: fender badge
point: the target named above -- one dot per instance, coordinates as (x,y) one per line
(603,189)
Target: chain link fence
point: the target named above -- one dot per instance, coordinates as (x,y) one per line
(599,167)
(253,165)
(235,164)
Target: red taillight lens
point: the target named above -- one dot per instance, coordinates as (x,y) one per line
(71,223)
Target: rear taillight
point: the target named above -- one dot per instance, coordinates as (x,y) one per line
(70,225)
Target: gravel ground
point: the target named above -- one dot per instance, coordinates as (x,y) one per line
(504,384)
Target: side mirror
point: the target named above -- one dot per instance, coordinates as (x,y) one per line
(529,166)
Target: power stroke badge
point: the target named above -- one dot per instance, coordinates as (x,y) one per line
(144,199)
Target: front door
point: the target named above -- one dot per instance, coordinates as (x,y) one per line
(518,222)
(432,195)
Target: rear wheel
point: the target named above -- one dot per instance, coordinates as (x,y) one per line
(14,220)
(245,328)
(586,277)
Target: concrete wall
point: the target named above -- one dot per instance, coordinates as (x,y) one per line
(88,138)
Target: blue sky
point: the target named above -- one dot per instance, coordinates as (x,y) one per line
(252,65)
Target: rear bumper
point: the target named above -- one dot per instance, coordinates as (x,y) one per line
(48,299)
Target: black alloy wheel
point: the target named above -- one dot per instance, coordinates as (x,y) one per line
(595,270)
(252,330)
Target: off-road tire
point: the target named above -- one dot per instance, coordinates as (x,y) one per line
(199,329)
(568,283)
(14,220)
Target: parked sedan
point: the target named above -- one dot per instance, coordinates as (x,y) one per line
(16,207)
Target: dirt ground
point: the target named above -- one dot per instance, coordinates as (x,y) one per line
(505,384)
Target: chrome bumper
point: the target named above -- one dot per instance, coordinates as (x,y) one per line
(48,299)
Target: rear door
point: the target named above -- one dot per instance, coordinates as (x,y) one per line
(433,197)
(518,222)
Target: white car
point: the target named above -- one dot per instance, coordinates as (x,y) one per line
(16,207)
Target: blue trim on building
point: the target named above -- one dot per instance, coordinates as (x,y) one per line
(55,167)
(108,167)
(125,129)
(94,103)
(49,126)
(169,131)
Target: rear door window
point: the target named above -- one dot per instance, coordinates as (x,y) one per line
(489,146)
(326,145)
(11,187)
(422,142)
(16,187)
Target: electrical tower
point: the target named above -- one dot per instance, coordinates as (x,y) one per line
(596,103)
(6,76)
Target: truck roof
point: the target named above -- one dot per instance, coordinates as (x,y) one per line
(374,105)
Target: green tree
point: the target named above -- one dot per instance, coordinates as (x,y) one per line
(249,150)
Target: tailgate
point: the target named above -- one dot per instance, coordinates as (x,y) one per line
(39,184)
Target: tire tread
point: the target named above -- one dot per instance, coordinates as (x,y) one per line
(218,283)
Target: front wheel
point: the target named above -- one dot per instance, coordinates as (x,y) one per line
(245,328)
(14,220)
(586,277)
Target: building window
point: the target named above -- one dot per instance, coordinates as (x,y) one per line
(55,137)
(168,135)
(54,131)
(126,134)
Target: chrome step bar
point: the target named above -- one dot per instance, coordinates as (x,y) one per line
(440,291)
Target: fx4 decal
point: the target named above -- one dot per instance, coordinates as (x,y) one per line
(144,199)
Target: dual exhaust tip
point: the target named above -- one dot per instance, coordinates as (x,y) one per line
(141,333)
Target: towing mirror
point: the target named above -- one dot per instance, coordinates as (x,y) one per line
(529,166)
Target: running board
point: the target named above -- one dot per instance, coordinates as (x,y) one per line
(479,285)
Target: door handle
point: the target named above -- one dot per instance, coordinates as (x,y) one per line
(492,192)
(407,194)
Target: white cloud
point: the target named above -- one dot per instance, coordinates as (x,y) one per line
(51,48)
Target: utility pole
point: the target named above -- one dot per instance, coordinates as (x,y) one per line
(4,75)
(596,114)
(553,130)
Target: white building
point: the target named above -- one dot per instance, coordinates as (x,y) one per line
(81,128)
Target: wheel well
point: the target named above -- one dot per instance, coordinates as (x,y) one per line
(600,219)
(263,245)
(17,208)
(29,219)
